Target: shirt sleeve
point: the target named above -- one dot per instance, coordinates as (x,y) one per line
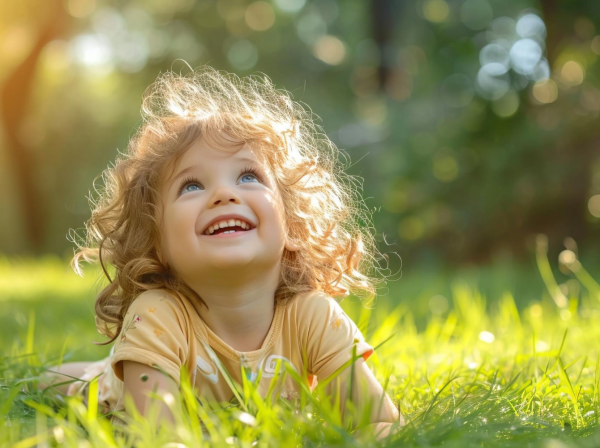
(153,334)
(330,335)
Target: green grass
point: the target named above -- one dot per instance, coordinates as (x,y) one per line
(506,356)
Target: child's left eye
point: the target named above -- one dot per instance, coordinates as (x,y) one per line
(251,176)
(251,172)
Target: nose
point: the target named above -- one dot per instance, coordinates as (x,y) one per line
(225,195)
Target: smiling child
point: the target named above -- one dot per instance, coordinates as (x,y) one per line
(231,227)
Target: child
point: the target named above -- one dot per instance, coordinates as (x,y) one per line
(230,228)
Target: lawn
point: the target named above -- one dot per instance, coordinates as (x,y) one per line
(504,356)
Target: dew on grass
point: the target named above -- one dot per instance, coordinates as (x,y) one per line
(169,399)
(487,337)
(246,418)
(59,434)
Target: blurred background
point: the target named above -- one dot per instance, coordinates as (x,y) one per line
(474,123)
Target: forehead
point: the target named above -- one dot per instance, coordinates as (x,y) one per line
(216,147)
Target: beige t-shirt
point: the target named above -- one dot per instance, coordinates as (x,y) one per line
(163,330)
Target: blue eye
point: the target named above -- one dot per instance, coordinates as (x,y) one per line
(251,171)
(188,185)
(249,175)
(191,185)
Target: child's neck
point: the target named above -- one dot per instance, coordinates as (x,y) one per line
(239,313)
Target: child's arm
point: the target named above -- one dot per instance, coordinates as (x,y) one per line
(332,339)
(139,380)
(150,351)
(366,393)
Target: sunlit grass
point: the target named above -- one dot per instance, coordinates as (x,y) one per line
(483,372)
(34,279)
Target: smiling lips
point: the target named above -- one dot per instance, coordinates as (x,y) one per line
(228,226)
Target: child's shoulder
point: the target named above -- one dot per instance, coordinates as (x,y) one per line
(161,309)
(312,304)
(153,295)
(157,300)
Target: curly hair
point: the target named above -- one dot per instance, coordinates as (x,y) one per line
(324,210)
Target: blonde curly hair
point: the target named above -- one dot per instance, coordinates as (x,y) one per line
(324,210)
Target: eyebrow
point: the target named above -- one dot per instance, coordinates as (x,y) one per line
(191,168)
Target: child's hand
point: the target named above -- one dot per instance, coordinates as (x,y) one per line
(366,391)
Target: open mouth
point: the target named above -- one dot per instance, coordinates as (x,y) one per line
(234,229)
(227,227)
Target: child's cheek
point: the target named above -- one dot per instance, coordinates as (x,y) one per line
(180,231)
(185,222)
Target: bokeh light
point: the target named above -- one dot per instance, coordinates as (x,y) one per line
(16,42)
(567,257)
(93,50)
(330,50)
(56,56)
(311,27)
(290,6)
(572,73)
(445,168)
(595,45)
(513,56)
(487,337)
(594,205)
(545,91)
(438,304)
(131,53)
(495,59)
(242,55)
(503,31)
(492,86)
(81,8)
(396,200)
(507,105)
(260,16)
(411,228)
(532,26)
(436,11)
(525,55)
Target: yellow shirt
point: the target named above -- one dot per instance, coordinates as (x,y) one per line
(163,330)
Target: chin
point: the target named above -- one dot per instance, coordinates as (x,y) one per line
(229,264)
(260,262)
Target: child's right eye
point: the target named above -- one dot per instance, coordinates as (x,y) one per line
(189,185)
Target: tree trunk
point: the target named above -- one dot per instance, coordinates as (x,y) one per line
(15,95)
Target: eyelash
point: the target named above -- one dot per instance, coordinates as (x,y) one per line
(248,170)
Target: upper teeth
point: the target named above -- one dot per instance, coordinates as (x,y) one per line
(227,223)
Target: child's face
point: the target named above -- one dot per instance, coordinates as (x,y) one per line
(207,184)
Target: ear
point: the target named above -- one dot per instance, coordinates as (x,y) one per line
(290,245)
(161,259)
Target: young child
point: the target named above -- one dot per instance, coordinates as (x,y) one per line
(230,226)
